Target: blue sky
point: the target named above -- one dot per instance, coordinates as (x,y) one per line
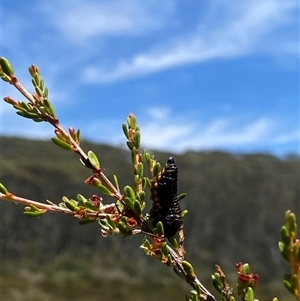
(199,75)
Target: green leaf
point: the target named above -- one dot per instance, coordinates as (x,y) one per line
(143,205)
(116,182)
(37,120)
(105,190)
(6,66)
(46,92)
(18,106)
(81,199)
(129,203)
(132,121)
(194,295)
(217,277)
(124,219)
(173,241)
(33,81)
(146,243)
(39,91)
(3,189)
(165,250)
(78,135)
(136,182)
(61,144)
(111,223)
(133,155)
(125,130)
(72,205)
(217,282)
(137,139)
(33,213)
(93,159)
(49,107)
(28,115)
(26,106)
(285,236)
(42,84)
(90,206)
(291,222)
(62,205)
(160,228)
(137,208)
(294,281)
(104,224)
(148,159)
(144,183)
(130,145)
(156,169)
(184,213)
(283,250)
(246,268)
(148,182)
(142,195)
(188,268)
(37,79)
(287,213)
(249,294)
(120,205)
(122,226)
(288,286)
(129,192)
(140,170)
(182,196)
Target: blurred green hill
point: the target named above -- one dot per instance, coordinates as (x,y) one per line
(236,207)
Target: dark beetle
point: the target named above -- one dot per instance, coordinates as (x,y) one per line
(166,205)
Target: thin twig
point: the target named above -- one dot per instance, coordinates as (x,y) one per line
(193,282)
(49,207)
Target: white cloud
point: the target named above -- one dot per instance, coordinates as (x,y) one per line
(164,135)
(288,137)
(162,129)
(226,133)
(180,133)
(242,31)
(126,39)
(158,113)
(83,20)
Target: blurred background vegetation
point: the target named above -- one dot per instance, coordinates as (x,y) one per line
(236,208)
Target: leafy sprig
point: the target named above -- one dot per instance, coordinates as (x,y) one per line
(289,247)
(125,215)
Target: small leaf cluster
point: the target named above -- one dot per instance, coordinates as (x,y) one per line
(39,107)
(289,247)
(246,282)
(125,215)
